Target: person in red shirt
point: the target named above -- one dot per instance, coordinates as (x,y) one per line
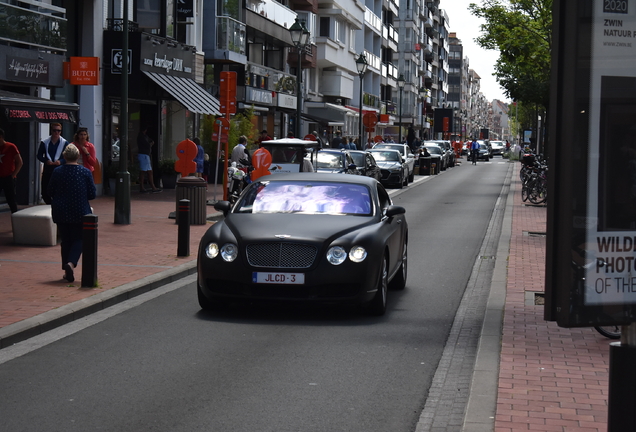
(264,136)
(10,164)
(88,158)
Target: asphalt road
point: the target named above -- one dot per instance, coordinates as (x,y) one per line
(164,365)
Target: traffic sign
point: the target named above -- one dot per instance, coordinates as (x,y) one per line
(370,119)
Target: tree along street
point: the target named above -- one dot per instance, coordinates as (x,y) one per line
(165,365)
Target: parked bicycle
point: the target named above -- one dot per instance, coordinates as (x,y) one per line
(534,179)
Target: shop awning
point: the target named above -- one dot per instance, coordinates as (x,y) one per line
(23,108)
(187,92)
(335,113)
(309,117)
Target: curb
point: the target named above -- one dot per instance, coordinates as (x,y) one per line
(47,321)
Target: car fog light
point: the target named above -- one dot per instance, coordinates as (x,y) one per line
(336,255)
(229,252)
(357,254)
(212,250)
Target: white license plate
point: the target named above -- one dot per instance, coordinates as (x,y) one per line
(278,278)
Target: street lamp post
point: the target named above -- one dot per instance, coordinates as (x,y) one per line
(400,83)
(300,38)
(361,65)
(423,95)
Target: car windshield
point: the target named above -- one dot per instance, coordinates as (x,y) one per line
(483,146)
(358,158)
(397,147)
(329,160)
(386,156)
(435,150)
(307,197)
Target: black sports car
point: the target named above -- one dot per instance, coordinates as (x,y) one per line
(305,237)
(393,168)
(366,164)
(335,161)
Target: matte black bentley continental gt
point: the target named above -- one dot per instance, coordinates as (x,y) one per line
(307,237)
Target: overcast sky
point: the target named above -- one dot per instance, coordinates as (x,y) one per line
(467,27)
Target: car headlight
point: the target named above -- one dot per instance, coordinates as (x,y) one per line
(336,255)
(357,254)
(212,250)
(229,252)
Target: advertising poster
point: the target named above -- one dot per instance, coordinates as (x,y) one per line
(609,248)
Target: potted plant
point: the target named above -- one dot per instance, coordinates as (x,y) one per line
(168,174)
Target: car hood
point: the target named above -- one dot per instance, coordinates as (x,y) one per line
(305,228)
(389,164)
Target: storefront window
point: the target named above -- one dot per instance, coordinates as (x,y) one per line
(177,124)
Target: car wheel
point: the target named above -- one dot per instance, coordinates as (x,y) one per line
(412,177)
(406,179)
(399,280)
(377,306)
(401,185)
(207,304)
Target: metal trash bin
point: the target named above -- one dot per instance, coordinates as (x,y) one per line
(193,189)
(425,165)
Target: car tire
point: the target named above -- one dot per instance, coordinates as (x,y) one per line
(401,185)
(207,304)
(377,306)
(412,177)
(399,280)
(406,179)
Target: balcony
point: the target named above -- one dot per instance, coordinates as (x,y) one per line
(230,35)
(37,28)
(307,59)
(390,36)
(373,21)
(371,100)
(273,11)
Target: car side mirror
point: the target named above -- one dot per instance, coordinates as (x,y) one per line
(411,155)
(223,206)
(352,166)
(394,210)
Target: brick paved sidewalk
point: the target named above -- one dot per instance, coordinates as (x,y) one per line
(32,275)
(550,378)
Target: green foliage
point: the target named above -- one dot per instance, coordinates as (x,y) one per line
(240,124)
(521,30)
(166,166)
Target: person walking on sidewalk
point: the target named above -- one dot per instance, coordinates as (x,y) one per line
(50,154)
(71,187)
(144,146)
(10,164)
(88,158)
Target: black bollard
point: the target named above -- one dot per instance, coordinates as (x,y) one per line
(89,251)
(183,220)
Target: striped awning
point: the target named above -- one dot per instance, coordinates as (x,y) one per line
(187,92)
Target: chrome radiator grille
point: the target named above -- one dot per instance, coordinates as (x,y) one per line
(282,255)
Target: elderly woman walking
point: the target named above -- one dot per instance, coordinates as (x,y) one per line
(71,187)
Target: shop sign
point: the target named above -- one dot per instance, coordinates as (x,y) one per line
(38,114)
(185,9)
(27,70)
(117,61)
(287,101)
(84,71)
(258,96)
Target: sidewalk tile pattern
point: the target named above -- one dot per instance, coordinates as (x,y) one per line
(550,378)
(32,275)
